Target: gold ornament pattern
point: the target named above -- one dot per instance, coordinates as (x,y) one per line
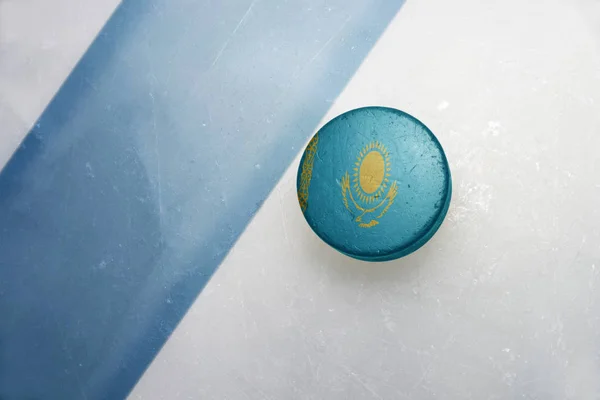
(306,173)
(365,195)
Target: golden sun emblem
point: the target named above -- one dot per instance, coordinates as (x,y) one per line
(370,180)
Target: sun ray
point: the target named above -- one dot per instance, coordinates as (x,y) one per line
(378,194)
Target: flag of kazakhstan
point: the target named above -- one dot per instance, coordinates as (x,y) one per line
(374,183)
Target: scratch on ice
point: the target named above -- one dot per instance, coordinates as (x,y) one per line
(232,34)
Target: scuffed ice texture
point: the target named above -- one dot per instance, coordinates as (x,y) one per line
(146,165)
(40,42)
(503,303)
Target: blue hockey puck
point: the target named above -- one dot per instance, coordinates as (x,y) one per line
(374,183)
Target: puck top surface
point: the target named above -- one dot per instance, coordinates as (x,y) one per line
(374,183)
